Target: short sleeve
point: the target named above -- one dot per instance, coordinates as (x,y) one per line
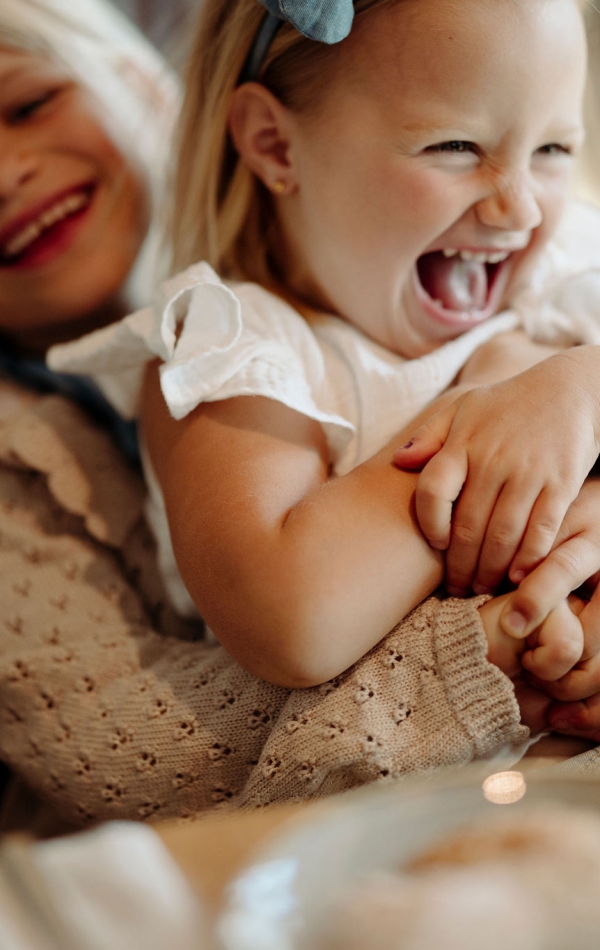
(215,341)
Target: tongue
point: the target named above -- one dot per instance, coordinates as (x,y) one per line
(457,284)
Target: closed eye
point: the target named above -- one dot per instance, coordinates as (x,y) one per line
(554,148)
(455,147)
(26,109)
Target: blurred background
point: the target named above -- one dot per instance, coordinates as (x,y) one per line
(163,22)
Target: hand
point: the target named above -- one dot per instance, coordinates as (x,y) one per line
(506,461)
(583,681)
(575,556)
(551,651)
(573,561)
(505,652)
(577,711)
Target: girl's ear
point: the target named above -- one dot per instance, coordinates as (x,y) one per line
(260,128)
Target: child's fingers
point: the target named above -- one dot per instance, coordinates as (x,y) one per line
(470,521)
(542,529)
(576,685)
(503,536)
(439,485)
(487,525)
(427,440)
(559,646)
(577,719)
(583,681)
(565,569)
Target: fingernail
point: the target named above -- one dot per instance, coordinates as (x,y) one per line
(407,446)
(517,576)
(514,622)
(481,589)
(561,723)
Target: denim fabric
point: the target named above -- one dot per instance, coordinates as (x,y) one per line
(327,21)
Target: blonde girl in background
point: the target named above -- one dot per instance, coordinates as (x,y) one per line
(87,109)
(381,190)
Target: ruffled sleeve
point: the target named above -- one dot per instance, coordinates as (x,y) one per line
(215,342)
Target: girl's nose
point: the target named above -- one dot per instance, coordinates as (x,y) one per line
(511,205)
(15,170)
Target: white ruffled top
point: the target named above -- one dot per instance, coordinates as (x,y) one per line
(218,340)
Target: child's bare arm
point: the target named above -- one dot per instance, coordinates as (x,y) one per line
(298,574)
(514,454)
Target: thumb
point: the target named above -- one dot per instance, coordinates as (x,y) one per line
(427,441)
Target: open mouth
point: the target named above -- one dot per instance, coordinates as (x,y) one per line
(41,236)
(460,288)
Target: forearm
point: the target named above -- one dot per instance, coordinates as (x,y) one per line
(300,596)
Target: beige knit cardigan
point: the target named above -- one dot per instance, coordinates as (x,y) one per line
(111,707)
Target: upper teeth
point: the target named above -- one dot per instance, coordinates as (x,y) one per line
(31,232)
(480,257)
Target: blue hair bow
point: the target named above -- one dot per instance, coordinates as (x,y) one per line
(327,21)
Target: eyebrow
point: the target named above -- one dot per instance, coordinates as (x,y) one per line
(435,128)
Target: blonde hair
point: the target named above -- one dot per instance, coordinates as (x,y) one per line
(222,213)
(137,93)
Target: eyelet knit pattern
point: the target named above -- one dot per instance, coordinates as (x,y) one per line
(112,707)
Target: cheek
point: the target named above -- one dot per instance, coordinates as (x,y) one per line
(129,201)
(552,203)
(80,135)
(555,202)
(425,203)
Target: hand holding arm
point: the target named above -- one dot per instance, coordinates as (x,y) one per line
(508,459)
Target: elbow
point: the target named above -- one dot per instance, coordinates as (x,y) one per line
(289,651)
(298,634)
(292,660)
(298,672)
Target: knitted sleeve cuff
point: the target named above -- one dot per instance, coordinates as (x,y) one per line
(481,696)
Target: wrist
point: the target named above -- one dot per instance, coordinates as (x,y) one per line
(503,651)
(586,359)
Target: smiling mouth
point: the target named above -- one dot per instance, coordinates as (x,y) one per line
(42,229)
(461,287)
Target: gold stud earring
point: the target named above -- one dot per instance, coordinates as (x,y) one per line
(279,186)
